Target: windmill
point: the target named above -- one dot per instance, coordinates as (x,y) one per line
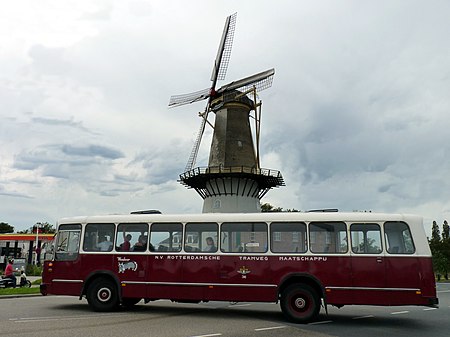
(233,180)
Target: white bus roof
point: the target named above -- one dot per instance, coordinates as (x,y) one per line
(265,216)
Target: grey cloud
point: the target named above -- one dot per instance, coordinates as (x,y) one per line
(161,164)
(67,161)
(59,122)
(15,195)
(92,151)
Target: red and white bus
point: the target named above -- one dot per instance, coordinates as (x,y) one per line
(302,260)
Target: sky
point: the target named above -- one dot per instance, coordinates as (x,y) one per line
(357,117)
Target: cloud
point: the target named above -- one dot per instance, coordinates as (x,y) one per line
(357,117)
(91,151)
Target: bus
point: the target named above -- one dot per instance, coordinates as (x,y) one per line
(302,260)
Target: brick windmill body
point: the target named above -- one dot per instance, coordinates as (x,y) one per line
(233,180)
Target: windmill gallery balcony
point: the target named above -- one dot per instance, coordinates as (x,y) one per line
(236,180)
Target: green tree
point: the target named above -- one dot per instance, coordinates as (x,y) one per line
(445,248)
(440,249)
(445,231)
(435,234)
(266,207)
(6,228)
(44,228)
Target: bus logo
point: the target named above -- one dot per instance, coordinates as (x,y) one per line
(126,264)
(244,271)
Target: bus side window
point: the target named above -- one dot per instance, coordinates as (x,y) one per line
(98,237)
(166,237)
(132,237)
(398,238)
(201,237)
(328,237)
(68,242)
(288,237)
(245,237)
(366,238)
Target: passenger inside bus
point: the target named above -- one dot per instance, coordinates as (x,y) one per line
(210,246)
(104,244)
(141,245)
(125,246)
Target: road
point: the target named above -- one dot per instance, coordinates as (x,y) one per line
(60,316)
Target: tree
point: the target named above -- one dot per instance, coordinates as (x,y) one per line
(6,228)
(266,207)
(445,231)
(440,248)
(44,228)
(435,233)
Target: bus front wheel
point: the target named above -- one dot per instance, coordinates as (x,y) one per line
(102,295)
(300,303)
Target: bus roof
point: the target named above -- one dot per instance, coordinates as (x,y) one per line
(230,217)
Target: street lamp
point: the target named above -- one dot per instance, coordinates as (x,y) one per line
(37,241)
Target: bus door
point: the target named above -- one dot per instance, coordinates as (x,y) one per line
(165,261)
(65,276)
(200,260)
(131,260)
(244,273)
(402,265)
(98,256)
(368,265)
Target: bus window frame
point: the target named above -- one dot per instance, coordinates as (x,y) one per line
(95,248)
(132,227)
(244,246)
(200,237)
(68,255)
(301,241)
(337,240)
(366,226)
(401,250)
(171,237)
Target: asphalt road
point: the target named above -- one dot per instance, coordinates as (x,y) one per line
(59,316)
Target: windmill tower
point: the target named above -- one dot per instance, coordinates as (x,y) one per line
(233,180)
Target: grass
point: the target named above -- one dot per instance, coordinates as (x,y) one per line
(22,291)
(19,291)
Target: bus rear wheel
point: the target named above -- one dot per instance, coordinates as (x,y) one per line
(102,295)
(300,303)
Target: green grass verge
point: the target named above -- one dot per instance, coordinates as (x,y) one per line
(19,291)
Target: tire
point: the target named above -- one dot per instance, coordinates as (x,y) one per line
(300,303)
(130,302)
(102,295)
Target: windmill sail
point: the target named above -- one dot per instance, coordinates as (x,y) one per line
(177,100)
(219,68)
(260,81)
(224,52)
